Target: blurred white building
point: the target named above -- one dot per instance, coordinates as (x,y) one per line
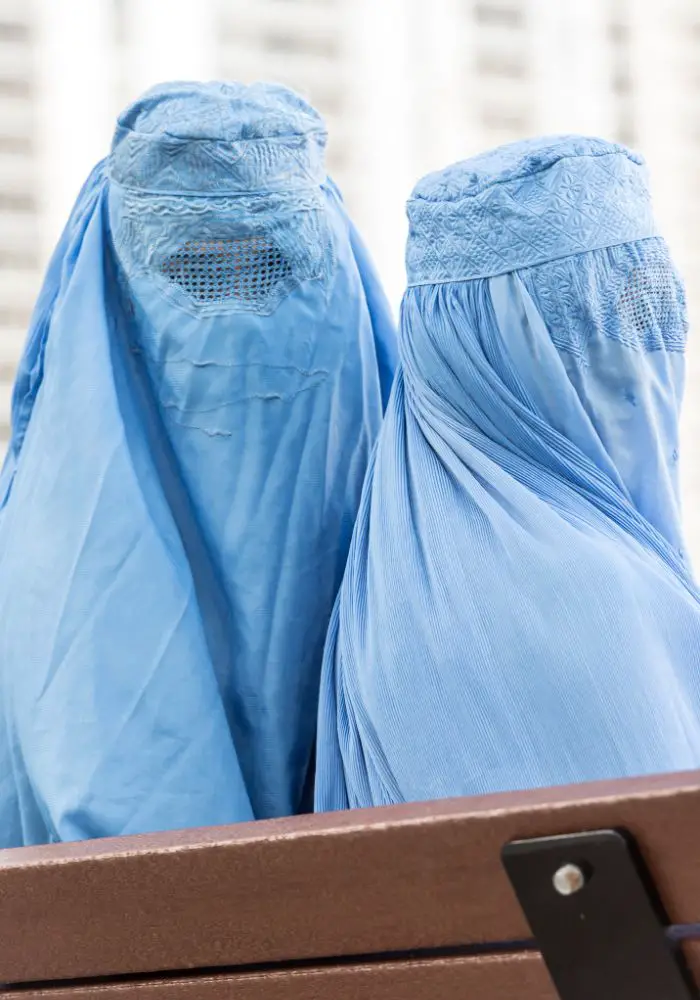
(405,86)
(20,222)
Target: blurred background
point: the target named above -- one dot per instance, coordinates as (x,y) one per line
(405,86)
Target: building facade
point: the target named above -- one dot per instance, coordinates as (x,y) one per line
(20,217)
(402,93)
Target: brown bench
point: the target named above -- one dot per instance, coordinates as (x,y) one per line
(420,902)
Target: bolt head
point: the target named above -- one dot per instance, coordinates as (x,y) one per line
(568,880)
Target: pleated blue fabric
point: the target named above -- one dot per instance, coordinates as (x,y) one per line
(194,412)
(517,609)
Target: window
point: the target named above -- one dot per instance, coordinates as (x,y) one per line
(14,317)
(501,64)
(306,45)
(626,133)
(16,202)
(619,33)
(15,144)
(622,81)
(19,261)
(15,88)
(7,374)
(329,102)
(13,32)
(498,14)
(504,119)
(336,160)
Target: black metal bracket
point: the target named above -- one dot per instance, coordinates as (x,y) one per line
(596,918)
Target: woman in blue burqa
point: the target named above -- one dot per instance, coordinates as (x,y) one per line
(517,609)
(201,389)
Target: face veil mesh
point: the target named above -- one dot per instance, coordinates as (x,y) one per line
(631,293)
(246,271)
(649,299)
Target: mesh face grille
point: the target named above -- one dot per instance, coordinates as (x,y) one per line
(246,270)
(649,300)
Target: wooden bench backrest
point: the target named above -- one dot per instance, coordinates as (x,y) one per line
(409,902)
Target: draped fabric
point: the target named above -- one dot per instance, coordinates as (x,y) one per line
(200,391)
(517,609)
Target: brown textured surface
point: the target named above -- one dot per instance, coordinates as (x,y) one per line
(508,977)
(495,977)
(691,951)
(422,876)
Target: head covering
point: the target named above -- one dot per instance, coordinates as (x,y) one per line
(517,610)
(193,415)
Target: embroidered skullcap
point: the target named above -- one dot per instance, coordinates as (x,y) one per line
(524,204)
(219,138)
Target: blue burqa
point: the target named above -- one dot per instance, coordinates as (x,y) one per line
(193,416)
(517,609)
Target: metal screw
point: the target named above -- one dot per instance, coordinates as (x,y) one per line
(568,879)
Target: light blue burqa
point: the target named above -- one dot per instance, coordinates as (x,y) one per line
(193,415)
(517,610)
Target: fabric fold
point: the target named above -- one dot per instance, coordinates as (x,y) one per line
(518,609)
(193,416)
